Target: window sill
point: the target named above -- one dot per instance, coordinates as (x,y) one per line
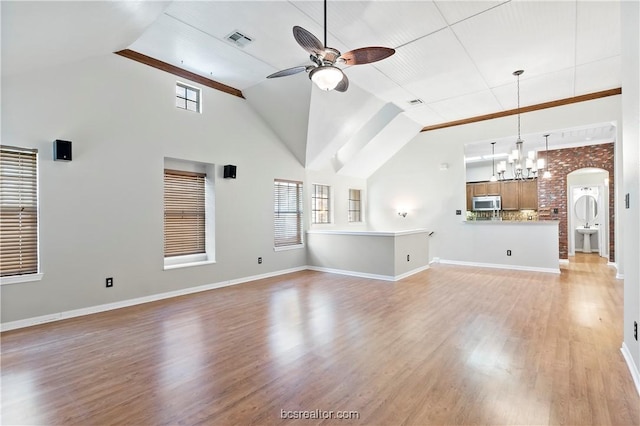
(291,247)
(188,264)
(15,279)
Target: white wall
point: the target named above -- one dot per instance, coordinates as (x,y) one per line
(101,214)
(413,177)
(479,172)
(340,186)
(630,11)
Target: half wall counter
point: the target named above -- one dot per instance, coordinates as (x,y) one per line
(384,255)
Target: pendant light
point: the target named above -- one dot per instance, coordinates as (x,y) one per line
(547,173)
(517,158)
(493,162)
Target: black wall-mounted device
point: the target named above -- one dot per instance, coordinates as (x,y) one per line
(61,150)
(229,171)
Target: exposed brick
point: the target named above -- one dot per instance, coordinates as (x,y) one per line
(552,193)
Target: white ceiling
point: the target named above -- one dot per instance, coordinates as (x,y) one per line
(456,56)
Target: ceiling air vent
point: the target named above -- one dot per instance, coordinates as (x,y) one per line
(239,39)
(415,102)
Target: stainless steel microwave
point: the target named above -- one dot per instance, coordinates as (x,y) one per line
(489,203)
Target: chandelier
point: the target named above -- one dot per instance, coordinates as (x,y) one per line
(522,167)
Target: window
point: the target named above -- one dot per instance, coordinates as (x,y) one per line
(355,206)
(187,97)
(184,213)
(19,211)
(320,210)
(287,213)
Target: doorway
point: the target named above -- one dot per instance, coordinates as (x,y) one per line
(588,212)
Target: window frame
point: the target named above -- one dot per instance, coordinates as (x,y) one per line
(34,272)
(359,210)
(208,256)
(297,241)
(188,88)
(316,209)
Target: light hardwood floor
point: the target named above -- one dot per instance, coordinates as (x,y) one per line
(451,345)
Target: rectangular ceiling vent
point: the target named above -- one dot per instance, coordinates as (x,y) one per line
(415,102)
(239,39)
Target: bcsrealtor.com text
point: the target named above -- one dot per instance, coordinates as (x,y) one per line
(319,414)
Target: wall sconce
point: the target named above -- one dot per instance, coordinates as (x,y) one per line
(402,213)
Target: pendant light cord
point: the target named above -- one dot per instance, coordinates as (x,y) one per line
(518,107)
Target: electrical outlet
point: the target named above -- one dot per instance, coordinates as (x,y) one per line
(635,330)
(458,212)
(508,252)
(555,210)
(259,261)
(109,282)
(407,258)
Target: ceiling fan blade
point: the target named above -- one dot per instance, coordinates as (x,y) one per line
(367,55)
(343,85)
(288,71)
(308,41)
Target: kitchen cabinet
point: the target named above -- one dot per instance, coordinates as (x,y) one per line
(510,192)
(479,189)
(493,188)
(529,195)
(515,194)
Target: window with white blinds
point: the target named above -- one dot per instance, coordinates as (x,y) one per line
(184,213)
(287,213)
(18,211)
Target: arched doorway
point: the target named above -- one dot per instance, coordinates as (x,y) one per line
(587,212)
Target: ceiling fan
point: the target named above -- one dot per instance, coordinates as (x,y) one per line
(323,71)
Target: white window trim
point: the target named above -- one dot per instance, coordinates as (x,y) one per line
(331,205)
(207,258)
(199,90)
(289,247)
(362,217)
(15,279)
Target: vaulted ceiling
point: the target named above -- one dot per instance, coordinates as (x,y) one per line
(456,57)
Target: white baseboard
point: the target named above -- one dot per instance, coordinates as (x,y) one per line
(27,322)
(367,275)
(352,273)
(411,272)
(501,266)
(632,367)
(563,261)
(434,260)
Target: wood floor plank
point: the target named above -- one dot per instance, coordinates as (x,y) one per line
(450,345)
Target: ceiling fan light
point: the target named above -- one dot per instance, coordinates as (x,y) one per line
(326,77)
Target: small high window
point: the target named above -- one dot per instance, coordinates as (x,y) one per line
(355,206)
(320,202)
(187,97)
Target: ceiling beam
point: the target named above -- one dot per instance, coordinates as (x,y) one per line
(544,105)
(180,72)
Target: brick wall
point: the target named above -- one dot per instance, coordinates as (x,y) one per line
(552,193)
